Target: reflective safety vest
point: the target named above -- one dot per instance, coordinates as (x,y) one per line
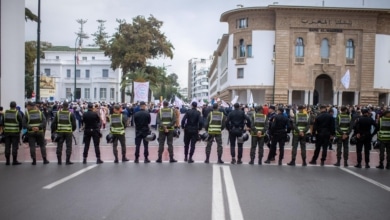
(384,129)
(215,122)
(34,119)
(166,116)
(117,126)
(11,123)
(64,123)
(344,123)
(259,122)
(301,121)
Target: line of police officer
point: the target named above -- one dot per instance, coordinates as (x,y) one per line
(237,123)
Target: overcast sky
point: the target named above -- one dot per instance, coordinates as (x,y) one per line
(192,26)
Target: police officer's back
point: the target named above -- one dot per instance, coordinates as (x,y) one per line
(92,122)
(191,123)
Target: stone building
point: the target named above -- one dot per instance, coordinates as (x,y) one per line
(298,55)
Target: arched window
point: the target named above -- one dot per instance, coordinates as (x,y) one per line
(242,48)
(350,50)
(325,48)
(299,47)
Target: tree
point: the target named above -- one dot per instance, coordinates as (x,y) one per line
(28,15)
(100,37)
(134,44)
(30,57)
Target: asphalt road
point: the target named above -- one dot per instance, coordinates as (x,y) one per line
(191,191)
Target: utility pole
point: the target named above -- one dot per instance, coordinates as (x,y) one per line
(38,78)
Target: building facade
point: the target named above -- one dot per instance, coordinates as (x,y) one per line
(299,55)
(184,93)
(95,80)
(198,85)
(12,55)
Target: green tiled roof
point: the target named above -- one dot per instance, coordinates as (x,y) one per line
(66,48)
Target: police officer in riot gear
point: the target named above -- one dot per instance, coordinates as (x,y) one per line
(323,129)
(166,120)
(12,128)
(343,129)
(91,121)
(35,122)
(142,120)
(258,132)
(214,125)
(192,124)
(278,133)
(384,138)
(301,126)
(64,123)
(235,123)
(117,129)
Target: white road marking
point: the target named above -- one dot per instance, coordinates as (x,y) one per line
(217,209)
(366,179)
(234,205)
(58,182)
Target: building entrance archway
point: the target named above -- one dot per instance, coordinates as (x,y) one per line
(323,93)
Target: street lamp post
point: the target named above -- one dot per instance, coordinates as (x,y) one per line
(75,66)
(273,88)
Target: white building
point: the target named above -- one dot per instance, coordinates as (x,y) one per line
(95,80)
(198,85)
(183,92)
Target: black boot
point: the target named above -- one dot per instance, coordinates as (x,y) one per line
(159,160)
(99,161)
(292,163)
(345,163)
(172,160)
(380,166)
(185,158)
(252,161)
(233,161)
(116,158)
(84,160)
(8,161)
(388,166)
(337,164)
(304,162)
(207,158)
(146,160)
(59,159)
(15,161)
(45,161)
(124,159)
(220,161)
(34,161)
(136,160)
(190,160)
(260,162)
(239,161)
(359,165)
(68,162)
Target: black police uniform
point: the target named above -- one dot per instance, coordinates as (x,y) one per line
(235,124)
(142,120)
(191,123)
(323,128)
(278,134)
(363,128)
(91,121)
